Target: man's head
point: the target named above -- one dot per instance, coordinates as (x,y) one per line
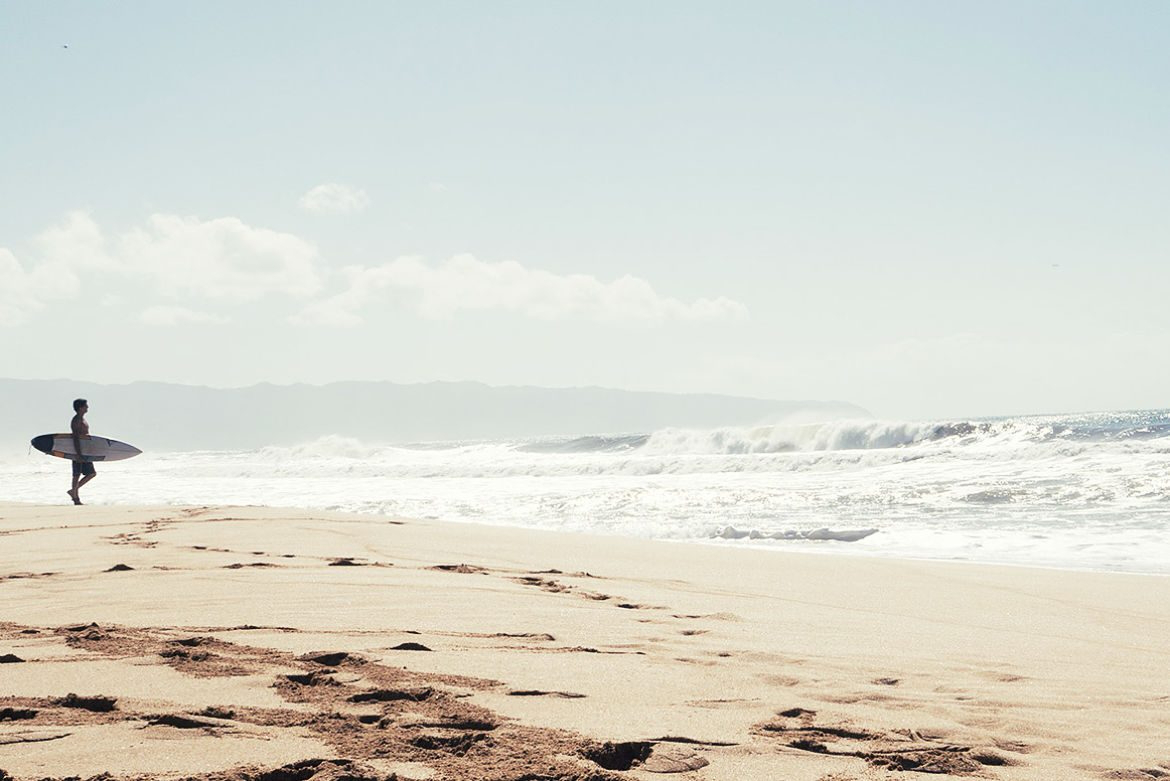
(80,405)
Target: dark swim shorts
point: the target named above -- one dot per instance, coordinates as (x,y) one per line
(83,468)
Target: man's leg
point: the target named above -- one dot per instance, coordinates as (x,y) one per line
(79,480)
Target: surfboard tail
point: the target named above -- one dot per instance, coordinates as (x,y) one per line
(43,443)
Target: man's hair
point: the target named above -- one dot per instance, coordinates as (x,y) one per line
(78,404)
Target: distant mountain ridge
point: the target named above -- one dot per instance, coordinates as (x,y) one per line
(164,416)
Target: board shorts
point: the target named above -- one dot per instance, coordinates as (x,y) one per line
(83,468)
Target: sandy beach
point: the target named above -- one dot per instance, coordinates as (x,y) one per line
(253,643)
(566,391)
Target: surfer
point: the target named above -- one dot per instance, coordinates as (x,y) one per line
(83,471)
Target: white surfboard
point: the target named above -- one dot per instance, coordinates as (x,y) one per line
(92,448)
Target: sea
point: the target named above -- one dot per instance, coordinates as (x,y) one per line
(1083,492)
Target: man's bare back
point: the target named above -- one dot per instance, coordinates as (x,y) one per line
(78,425)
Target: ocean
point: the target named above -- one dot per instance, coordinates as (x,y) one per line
(1088,491)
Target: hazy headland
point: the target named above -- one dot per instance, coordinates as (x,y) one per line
(184,417)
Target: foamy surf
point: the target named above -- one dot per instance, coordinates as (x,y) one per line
(1078,491)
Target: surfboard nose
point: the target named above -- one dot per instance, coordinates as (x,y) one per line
(43,443)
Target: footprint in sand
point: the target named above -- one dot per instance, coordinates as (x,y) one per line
(98,704)
(902,750)
(410,647)
(463,569)
(17,714)
(332,658)
(11,738)
(180,721)
(644,755)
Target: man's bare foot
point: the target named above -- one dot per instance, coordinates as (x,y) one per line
(76,499)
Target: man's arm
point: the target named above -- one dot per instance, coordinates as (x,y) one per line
(79,428)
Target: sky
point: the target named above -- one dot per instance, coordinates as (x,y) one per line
(929,209)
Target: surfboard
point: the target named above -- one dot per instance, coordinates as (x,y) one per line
(92,448)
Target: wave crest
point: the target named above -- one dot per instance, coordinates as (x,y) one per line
(329,446)
(781,438)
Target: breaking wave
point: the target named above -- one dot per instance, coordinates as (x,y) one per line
(1072,490)
(1034,436)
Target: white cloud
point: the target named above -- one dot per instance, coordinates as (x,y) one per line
(340,310)
(335,198)
(175,315)
(227,260)
(73,244)
(466,283)
(221,258)
(24,291)
(76,242)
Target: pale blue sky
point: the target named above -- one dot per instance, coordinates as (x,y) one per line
(926,208)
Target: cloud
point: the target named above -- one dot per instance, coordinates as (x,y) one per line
(466,283)
(339,311)
(24,291)
(176,315)
(333,198)
(225,260)
(62,250)
(76,242)
(221,258)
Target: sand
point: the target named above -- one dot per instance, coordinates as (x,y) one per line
(255,643)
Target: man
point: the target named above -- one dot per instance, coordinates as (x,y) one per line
(83,471)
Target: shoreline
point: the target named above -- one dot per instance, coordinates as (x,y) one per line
(829,548)
(710,661)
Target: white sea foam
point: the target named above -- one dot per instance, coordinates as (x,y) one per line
(1069,491)
(784,438)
